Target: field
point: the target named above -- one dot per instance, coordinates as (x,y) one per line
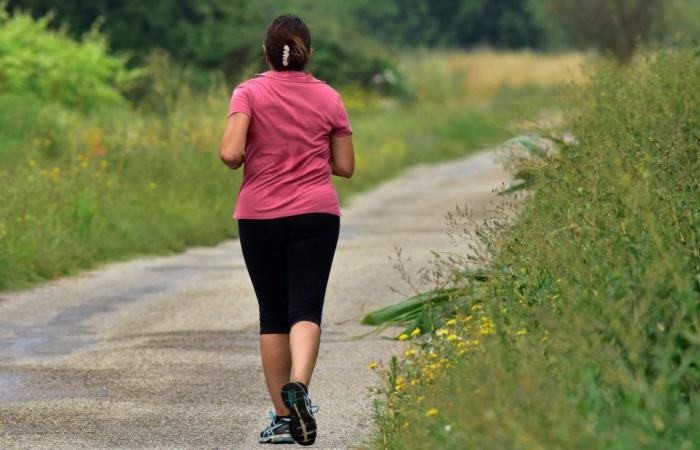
(83,184)
(577,327)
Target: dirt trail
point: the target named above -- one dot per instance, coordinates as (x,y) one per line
(163,352)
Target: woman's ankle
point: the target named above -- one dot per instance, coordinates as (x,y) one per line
(303,385)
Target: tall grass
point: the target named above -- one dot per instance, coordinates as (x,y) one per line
(586,333)
(453,77)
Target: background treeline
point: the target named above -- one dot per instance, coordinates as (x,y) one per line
(354,39)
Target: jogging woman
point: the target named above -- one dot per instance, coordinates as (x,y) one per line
(290,132)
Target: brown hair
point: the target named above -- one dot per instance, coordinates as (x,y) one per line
(292,31)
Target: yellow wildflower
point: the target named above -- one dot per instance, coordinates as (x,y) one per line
(420,398)
(403,337)
(467,318)
(476,307)
(487,331)
(415,332)
(441,332)
(410,352)
(432,412)
(414,381)
(452,337)
(372,365)
(521,332)
(451,322)
(486,326)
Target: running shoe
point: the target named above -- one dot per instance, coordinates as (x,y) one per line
(302,425)
(277,432)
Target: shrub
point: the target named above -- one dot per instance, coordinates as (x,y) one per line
(55,68)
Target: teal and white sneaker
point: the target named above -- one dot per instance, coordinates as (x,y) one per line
(277,432)
(302,426)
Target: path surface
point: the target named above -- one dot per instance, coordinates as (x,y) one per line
(163,352)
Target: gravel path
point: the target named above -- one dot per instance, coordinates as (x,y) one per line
(163,352)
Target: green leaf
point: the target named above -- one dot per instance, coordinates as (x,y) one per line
(408,309)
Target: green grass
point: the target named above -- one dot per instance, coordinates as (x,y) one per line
(586,332)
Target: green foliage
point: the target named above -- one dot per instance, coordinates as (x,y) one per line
(226,36)
(55,68)
(594,290)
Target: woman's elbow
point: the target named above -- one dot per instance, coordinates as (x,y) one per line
(345,172)
(348,172)
(231,159)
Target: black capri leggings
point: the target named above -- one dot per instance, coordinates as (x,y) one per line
(289,260)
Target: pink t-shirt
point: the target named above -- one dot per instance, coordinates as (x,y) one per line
(286,167)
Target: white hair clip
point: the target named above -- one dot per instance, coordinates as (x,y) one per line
(285,55)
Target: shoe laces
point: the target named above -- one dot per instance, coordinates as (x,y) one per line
(313,408)
(270,430)
(271,415)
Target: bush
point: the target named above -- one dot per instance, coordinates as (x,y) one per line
(55,68)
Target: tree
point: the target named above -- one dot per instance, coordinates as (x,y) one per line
(614,26)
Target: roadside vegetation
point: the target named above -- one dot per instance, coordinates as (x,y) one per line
(574,325)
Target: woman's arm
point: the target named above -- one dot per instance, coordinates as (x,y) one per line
(233,143)
(342,156)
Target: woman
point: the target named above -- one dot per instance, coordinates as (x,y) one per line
(290,131)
